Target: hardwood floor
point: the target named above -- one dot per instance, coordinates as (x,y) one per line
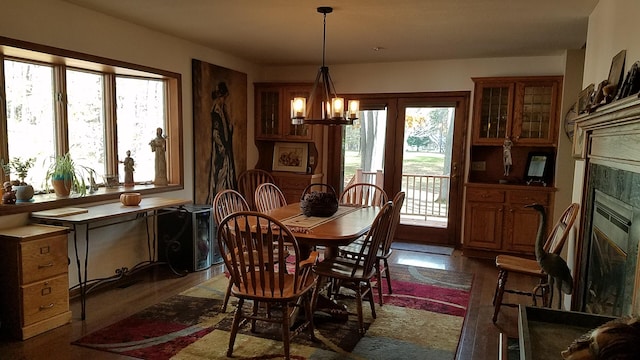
(479,339)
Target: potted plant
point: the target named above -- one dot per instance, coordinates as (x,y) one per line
(66,176)
(24,191)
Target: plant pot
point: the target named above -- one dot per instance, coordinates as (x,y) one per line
(24,193)
(62,187)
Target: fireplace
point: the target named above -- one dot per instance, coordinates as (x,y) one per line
(607,274)
(610,270)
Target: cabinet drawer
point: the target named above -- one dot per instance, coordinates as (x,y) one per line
(485,195)
(45,299)
(43,258)
(528,197)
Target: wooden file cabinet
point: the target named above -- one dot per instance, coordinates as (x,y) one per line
(34,279)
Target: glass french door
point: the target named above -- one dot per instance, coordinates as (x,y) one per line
(413,144)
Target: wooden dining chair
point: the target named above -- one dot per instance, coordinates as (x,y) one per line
(268,197)
(383,254)
(248,182)
(364,194)
(355,273)
(225,203)
(507,264)
(243,237)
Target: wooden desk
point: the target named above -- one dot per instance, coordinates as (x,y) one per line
(333,231)
(99,216)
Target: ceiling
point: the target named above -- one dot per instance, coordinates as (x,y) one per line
(289,32)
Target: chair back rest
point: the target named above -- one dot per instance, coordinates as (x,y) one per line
(268,197)
(248,182)
(373,240)
(246,239)
(561,229)
(363,194)
(398,201)
(227,202)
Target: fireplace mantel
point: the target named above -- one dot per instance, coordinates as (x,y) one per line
(612,134)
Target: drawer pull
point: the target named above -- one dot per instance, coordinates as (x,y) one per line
(45,265)
(46,307)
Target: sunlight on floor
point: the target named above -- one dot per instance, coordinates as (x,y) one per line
(426,263)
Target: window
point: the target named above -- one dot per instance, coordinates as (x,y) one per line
(140,111)
(85,114)
(30,115)
(96,109)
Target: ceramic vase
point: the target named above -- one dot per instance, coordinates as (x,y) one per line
(24,193)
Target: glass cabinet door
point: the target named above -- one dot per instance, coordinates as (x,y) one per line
(493,112)
(268,113)
(535,113)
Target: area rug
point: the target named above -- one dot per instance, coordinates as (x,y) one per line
(422,319)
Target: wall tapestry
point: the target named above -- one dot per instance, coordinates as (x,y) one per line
(219,129)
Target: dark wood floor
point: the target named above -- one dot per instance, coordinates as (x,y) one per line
(479,339)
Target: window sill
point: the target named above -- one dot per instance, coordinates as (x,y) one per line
(49,201)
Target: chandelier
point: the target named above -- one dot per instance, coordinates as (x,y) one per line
(333,109)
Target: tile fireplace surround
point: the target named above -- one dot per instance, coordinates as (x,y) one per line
(607,266)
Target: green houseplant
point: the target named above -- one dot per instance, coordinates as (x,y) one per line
(24,191)
(66,176)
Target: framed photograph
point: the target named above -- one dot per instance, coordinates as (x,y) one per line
(538,170)
(579,143)
(290,157)
(617,69)
(584,99)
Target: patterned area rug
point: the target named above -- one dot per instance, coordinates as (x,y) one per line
(422,319)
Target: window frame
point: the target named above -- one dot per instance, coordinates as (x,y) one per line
(62,59)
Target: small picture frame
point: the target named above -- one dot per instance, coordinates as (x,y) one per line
(579,143)
(538,170)
(584,99)
(292,157)
(617,69)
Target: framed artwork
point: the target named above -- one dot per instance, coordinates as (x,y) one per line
(539,165)
(219,129)
(290,157)
(579,143)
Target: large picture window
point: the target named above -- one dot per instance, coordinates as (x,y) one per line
(95,109)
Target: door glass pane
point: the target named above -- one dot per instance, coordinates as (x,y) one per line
(363,149)
(30,116)
(85,109)
(140,111)
(426,165)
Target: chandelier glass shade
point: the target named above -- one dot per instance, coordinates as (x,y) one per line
(333,111)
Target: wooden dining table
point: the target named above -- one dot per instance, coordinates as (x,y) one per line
(342,228)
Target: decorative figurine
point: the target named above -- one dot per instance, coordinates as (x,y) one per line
(159,146)
(128,169)
(506,156)
(9,196)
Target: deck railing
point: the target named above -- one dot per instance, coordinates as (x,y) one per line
(426,195)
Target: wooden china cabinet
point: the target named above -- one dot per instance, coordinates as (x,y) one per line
(273,124)
(526,111)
